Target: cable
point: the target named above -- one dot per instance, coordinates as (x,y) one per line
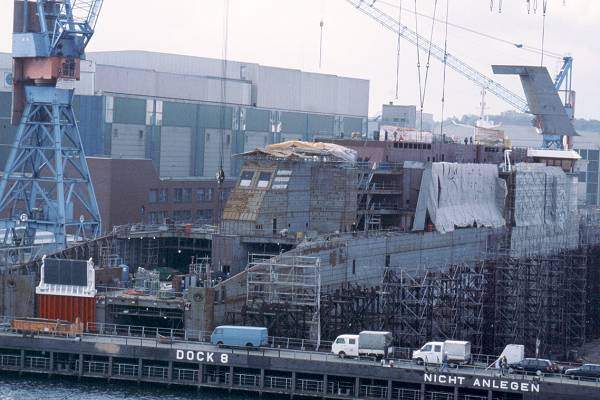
(519,46)
(321,44)
(398,50)
(444,73)
(418,57)
(544,8)
(221,172)
(423,90)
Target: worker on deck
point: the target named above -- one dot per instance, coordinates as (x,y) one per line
(444,362)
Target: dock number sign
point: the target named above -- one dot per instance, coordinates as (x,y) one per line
(202,356)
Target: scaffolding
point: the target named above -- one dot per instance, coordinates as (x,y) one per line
(540,301)
(415,305)
(283,294)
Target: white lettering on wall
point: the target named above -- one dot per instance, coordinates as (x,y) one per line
(201,356)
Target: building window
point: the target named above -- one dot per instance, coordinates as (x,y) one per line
(182,215)
(200,195)
(224,194)
(183,195)
(187,195)
(263,180)
(157,217)
(163,195)
(204,216)
(153,196)
(246,178)
(110,103)
(209,194)
(354,267)
(178,195)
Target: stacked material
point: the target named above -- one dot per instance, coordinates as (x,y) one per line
(489,136)
(307,150)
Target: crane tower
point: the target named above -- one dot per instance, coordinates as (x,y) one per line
(46,184)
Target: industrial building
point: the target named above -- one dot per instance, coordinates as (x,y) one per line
(178,111)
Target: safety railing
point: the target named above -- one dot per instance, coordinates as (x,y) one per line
(216,378)
(95,368)
(122,369)
(438,396)
(9,360)
(340,388)
(373,391)
(246,380)
(309,385)
(155,372)
(278,382)
(42,363)
(406,394)
(185,375)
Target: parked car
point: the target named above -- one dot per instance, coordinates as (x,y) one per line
(535,366)
(586,371)
(248,336)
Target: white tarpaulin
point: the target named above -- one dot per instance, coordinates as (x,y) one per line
(461,195)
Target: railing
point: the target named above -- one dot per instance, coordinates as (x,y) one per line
(373,391)
(471,397)
(185,375)
(246,380)
(7,360)
(121,369)
(406,394)
(42,363)
(340,388)
(309,385)
(439,396)
(217,378)
(95,368)
(382,187)
(380,166)
(149,229)
(155,372)
(278,382)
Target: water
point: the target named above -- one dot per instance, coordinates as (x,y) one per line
(13,387)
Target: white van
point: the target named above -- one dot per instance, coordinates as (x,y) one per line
(345,346)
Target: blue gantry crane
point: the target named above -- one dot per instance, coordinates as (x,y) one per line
(46,185)
(562,82)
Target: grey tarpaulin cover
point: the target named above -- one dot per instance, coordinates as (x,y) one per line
(460,195)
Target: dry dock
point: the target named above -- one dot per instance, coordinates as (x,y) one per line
(288,372)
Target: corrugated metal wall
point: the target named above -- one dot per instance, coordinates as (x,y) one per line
(88,111)
(175,152)
(256,140)
(66,308)
(212,146)
(128,141)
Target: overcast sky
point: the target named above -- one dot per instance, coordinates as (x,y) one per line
(286,33)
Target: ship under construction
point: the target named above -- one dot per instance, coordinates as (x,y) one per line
(417,234)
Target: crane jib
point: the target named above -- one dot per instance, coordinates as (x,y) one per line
(456,64)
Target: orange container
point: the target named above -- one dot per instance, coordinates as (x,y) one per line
(66,308)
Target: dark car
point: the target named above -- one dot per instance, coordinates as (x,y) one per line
(535,366)
(586,371)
